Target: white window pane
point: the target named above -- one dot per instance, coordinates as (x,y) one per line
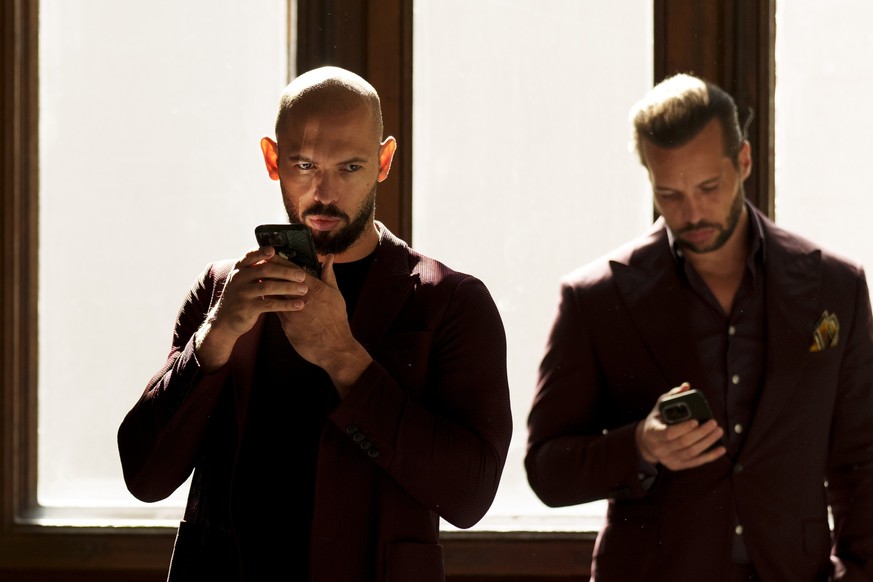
(522,170)
(823,84)
(150,166)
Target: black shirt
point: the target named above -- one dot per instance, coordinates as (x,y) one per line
(274,483)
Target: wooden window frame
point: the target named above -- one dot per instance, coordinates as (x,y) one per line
(730,42)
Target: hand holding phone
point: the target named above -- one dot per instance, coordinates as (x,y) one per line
(687,405)
(292,242)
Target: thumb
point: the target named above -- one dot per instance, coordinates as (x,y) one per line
(680,388)
(327,275)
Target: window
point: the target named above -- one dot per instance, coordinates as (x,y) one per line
(138,171)
(703,37)
(823,82)
(521,152)
(200,172)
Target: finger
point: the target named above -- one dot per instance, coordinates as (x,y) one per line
(683,387)
(255,256)
(696,444)
(279,269)
(281,304)
(278,288)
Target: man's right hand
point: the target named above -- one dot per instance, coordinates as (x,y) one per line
(260,282)
(679,446)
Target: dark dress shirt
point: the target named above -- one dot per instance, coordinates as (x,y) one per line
(731,347)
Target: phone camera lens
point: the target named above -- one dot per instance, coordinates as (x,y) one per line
(677,412)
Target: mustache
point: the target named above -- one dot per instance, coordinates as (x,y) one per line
(325,210)
(698,226)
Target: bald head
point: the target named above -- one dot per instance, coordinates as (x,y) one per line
(328,91)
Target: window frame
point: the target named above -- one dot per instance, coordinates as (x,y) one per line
(731,42)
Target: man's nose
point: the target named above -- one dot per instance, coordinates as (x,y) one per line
(325,187)
(693,208)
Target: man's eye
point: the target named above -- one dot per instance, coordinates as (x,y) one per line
(667,196)
(352,167)
(305,165)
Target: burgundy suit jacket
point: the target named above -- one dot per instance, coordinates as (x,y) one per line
(432,409)
(619,340)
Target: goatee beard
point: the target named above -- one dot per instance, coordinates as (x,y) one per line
(338,240)
(725,231)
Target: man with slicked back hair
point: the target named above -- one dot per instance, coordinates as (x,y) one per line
(715,300)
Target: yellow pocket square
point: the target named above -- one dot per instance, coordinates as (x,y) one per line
(827,332)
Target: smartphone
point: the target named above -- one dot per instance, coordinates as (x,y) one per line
(293,242)
(685,406)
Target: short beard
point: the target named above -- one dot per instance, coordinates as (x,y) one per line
(725,231)
(338,240)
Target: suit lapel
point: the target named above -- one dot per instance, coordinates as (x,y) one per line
(657,304)
(793,282)
(389,282)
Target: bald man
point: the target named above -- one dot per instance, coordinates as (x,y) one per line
(329,422)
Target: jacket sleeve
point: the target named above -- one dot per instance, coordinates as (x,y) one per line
(850,465)
(575,452)
(159,438)
(442,430)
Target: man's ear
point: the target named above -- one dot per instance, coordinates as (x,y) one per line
(386,154)
(745,160)
(270,150)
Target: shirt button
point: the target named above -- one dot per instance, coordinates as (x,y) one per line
(735,378)
(738,530)
(738,468)
(732,330)
(738,428)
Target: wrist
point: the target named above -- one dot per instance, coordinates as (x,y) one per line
(347,367)
(643,451)
(211,350)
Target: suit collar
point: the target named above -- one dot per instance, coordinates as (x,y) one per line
(647,280)
(646,277)
(388,283)
(792,303)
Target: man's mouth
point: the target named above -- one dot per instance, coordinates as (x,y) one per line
(322,223)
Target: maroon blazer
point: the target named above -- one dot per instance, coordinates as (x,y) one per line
(433,410)
(619,341)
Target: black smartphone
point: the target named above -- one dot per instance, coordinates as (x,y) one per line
(293,242)
(685,406)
